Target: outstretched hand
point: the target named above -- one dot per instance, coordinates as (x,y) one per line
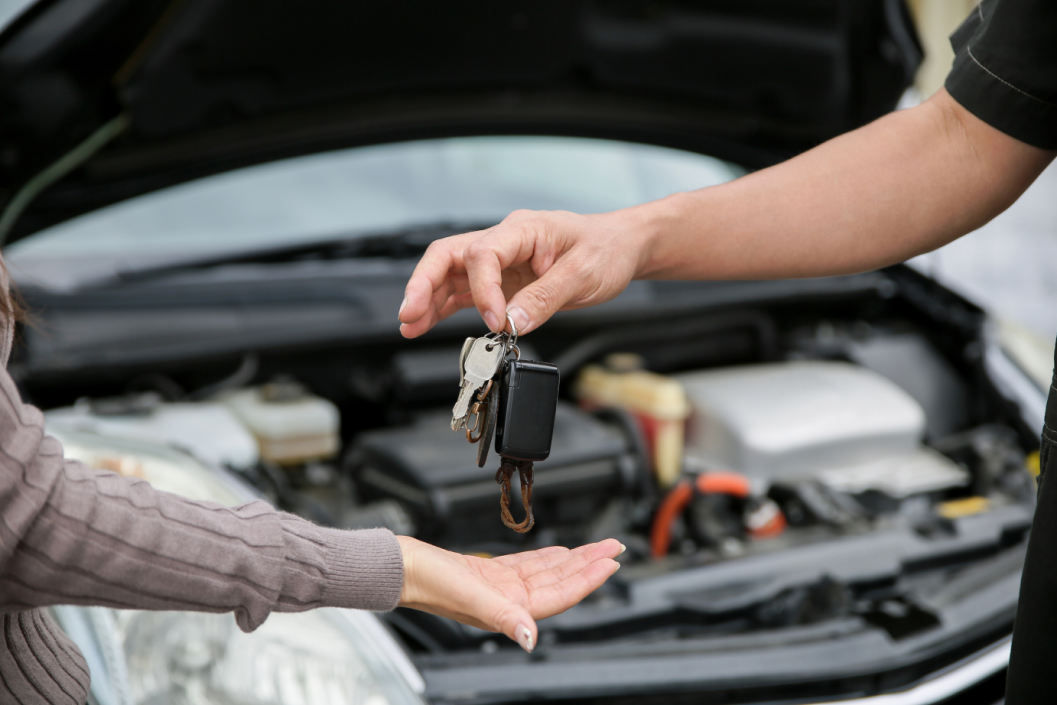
(505,594)
(532,265)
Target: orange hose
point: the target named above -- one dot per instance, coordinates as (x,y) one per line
(676,501)
(673,504)
(724,483)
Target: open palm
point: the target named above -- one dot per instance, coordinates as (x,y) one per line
(505,594)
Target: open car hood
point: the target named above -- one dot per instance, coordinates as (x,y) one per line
(176,89)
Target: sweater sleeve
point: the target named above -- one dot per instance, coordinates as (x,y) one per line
(73,535)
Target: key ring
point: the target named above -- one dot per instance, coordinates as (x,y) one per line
(509,339)
(512,338)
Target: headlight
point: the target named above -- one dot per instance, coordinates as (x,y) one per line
(323,657)
(166,469)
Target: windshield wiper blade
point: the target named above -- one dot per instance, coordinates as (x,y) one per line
(401,244)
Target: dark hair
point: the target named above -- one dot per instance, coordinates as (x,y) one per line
(12,307)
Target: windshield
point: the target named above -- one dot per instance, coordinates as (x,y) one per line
(11,9)
(370,190)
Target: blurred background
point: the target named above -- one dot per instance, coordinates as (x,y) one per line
(1007,265)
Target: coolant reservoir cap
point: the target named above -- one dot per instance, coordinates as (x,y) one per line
(281,390)
(624,362)
(139,404)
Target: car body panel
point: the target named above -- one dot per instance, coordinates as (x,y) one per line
(207,85)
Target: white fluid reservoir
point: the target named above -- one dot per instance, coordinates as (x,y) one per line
(290,424)
(207,430)
(793,419)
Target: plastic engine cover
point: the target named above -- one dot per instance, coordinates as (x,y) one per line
(433,473)
(790,420)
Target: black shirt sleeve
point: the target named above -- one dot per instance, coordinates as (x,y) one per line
(1005,68)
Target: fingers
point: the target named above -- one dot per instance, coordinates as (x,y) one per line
(548,600)
(535,248)
(454,304)
(429,276)
(556,598)
(528,253)
(496,596)
(513,559)
(553,554)
(479,603)
(523,237)
(454,266)
(438,276)
(538,574)
(491,613)
(504,246)
(537,302)
(533,562)
(516,622)
(451,585)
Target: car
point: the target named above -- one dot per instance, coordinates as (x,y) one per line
(211,208)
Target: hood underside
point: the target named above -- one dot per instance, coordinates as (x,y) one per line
(208,85)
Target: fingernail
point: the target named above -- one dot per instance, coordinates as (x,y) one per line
(403,305)
(491,322)
(622,549)
(524,637)
(521,319)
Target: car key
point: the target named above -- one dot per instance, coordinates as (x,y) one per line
(528,401)
(479,366)
(466,345)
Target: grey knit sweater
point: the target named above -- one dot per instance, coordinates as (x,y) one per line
(72,535)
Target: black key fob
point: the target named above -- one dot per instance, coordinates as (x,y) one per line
(528,399)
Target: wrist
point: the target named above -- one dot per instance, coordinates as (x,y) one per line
(651,227)
(362,569)
(407,551)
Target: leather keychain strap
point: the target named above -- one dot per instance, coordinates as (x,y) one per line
(506,470)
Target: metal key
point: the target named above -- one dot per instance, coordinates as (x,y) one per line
(480,365)
(466,345)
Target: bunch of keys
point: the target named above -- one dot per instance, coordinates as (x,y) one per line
(513,399)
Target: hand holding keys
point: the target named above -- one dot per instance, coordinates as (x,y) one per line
(517,401)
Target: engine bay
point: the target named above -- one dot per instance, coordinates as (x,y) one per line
(822,462)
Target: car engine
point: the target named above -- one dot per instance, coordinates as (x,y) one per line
(856,456)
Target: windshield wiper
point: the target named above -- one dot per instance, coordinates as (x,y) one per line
(401,244)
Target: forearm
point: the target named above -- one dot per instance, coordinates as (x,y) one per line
(72,535)
(901,186)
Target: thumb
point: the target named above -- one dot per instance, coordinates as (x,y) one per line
(515,621)
(536,303)
(498,613)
